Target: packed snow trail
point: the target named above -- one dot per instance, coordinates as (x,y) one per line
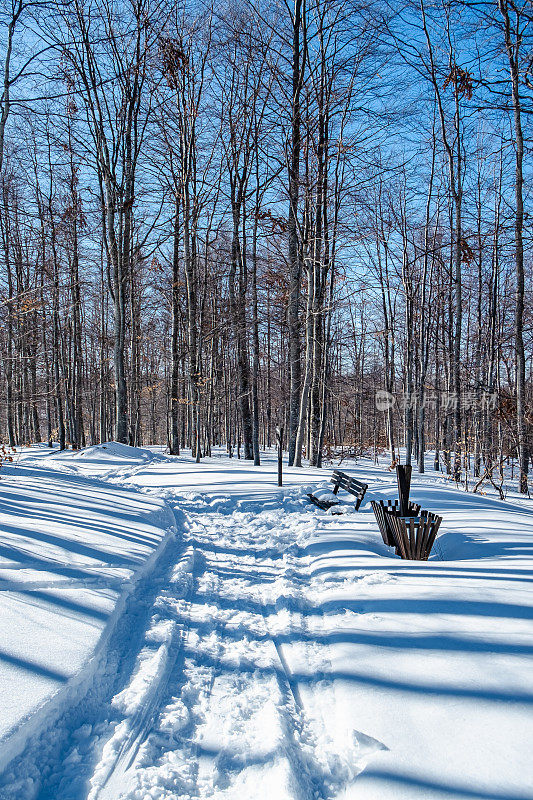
(212,708)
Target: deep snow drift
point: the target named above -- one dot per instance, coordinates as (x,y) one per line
(268,649)
(70,549)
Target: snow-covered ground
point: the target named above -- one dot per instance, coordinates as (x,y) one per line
(173,630)
(71,550)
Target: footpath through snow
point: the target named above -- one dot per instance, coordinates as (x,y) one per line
(267,650)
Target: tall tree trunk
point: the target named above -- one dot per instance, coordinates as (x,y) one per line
(512,46)
(295,261)
(175,355)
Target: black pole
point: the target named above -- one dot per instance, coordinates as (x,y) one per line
(279,438)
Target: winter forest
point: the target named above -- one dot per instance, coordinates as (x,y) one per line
(221,219)
(262,264)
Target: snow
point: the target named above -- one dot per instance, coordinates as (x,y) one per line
(268,649)
(70,549)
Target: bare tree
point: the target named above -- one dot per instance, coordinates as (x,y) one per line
(515,21)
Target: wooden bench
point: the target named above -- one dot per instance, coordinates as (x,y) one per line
(414,536)
(341,480)
(382,518)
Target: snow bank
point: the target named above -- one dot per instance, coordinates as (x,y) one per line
(71,550)
(107,460)
(115,451)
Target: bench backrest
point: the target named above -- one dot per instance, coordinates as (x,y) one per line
(343,481)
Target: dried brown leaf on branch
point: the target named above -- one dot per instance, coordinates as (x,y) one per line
(462,82)
(174,60)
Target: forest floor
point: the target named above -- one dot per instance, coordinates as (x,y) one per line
(173,630)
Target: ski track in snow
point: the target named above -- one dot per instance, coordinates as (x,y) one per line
(208,706)
(233,719)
